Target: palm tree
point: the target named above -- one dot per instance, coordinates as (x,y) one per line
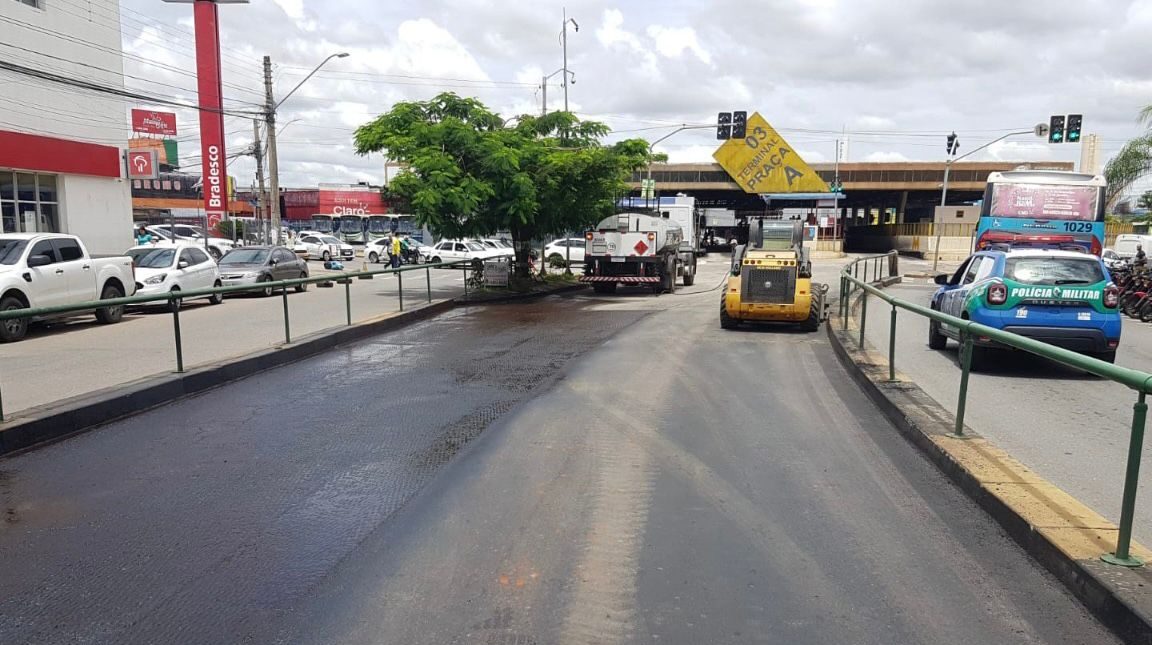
(1130,164)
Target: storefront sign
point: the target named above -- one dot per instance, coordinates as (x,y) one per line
(149,122)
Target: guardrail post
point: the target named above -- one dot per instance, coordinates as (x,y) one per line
(892,346)
(400,288)
(863,314)
(428,280)
(965,368)
(1122,556)
(465,279)
(175,307)
(1,407)
(348,301)
(287,329)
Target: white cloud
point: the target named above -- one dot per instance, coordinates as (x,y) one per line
(672,42)
(888,156)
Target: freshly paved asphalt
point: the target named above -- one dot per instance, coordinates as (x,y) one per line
(577,470)
(79,355)
(1070,427)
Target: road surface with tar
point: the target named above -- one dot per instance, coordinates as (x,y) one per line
(578,470)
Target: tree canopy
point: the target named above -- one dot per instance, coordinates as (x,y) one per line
(471,173)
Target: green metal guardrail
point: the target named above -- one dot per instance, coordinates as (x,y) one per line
(175,298)
(859,276)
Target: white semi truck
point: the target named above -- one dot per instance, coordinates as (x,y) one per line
(638,249)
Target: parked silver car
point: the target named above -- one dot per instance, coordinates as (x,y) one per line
(257,264)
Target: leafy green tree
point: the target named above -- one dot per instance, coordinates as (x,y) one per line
(1145,200)
(224,228)
(469,173)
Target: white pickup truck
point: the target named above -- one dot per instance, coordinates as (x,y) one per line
(51,270)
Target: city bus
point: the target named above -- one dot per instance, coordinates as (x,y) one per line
(1042,209)
(323,224)
(352,228)
(379,227)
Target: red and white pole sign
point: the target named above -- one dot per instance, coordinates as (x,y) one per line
(211,100)
(142,164)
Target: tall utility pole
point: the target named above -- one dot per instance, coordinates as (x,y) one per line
(273,165)
(564,46)
(258,152)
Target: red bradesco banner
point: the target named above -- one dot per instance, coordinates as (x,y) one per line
(350,201)
(211,112)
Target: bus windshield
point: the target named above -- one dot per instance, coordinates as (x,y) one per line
(1045,202)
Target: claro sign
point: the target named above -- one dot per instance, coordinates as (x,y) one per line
(340,202)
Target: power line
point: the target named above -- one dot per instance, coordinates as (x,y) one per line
(104,89)
(341,73)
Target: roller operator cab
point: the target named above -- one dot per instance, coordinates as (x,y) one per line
(1064,298)
(771,279)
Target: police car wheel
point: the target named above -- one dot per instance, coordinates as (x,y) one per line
(936,340)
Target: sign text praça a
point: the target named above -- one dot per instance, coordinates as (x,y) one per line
(763,162)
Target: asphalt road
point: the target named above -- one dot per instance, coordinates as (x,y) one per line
(1070,427)
(586,469)
(79,355)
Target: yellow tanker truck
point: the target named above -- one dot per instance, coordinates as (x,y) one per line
(771,279)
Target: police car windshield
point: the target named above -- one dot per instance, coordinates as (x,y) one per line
(1053,271)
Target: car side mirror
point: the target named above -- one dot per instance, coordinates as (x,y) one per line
(274,262)
(183,264)
(942,279)
(39,260)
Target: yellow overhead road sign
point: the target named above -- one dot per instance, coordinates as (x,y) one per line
(763,162)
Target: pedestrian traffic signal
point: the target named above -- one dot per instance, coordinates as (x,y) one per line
(724,126)
(953,144)
(739,125)
(1056,130)
(1072,134)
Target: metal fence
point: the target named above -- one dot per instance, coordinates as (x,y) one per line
(921,229)
(857,280)
(283,286)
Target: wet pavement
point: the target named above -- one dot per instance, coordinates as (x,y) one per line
(578,470)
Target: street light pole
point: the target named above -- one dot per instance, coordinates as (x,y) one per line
(270,107)
(944,188)
(544,90)
(564,46)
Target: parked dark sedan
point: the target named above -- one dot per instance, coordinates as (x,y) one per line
(252,265)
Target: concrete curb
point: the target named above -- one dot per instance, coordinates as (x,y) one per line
(39,425)
(1057,530)
(515,297)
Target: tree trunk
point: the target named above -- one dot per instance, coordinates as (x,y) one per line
(522,244)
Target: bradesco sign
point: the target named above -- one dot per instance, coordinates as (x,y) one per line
(344,201)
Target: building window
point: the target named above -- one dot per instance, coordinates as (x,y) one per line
(38,4)
(29,203)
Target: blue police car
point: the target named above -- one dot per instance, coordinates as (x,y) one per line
(1064,298)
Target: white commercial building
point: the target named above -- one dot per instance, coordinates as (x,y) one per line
(61,147)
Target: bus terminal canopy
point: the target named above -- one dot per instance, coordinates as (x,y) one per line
(768,197)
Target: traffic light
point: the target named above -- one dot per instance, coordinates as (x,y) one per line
(953,144)
(1056,130)
(739,125)
(1072,135)
(724,126)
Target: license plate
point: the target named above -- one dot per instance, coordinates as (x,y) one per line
(619,259)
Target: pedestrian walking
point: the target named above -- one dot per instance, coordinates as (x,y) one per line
(395,249)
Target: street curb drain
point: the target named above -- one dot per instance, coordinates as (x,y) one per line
(1119,597)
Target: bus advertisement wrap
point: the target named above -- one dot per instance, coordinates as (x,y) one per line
(1042,215)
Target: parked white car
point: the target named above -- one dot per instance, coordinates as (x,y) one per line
(323,247)
(170,268)
(562,249)
(502,249)
(52,270)
(192,235)
(377,250)
(452,250)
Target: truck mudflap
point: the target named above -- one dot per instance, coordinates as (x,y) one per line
(625,279)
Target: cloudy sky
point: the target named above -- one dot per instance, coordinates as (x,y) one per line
(896,75)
